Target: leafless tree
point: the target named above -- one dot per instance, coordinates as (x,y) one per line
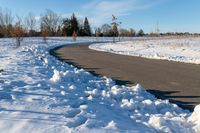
(115,25)
(1,17)
(50,21)
(30,22)
(74,36)
(18,31)
(6,20)
(106,30)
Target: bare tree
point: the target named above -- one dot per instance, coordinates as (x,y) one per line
(50,21)
(30,22)
(44,36)
(1,23)
(1,17)
(6,20)
(18,31)
(74,36)
(115,25)
(106,30)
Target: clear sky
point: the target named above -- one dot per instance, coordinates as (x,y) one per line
(172,15)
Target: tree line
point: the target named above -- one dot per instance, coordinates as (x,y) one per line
(49,24)
(53,24)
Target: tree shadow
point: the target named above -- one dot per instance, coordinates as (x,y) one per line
(34,116)
(90,70)
(167,95)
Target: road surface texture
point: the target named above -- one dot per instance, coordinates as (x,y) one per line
(178,82)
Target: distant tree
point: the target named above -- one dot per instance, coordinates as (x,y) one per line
(6,20)
(106,30)
(140,33)
(74,36)
(87,28)
(59,31)
(67,27)
(98,32)
(1,31)
(70,26)
(126,33)
(30,22)
(44,35)
(115,25)
(74,24)
(132,32)
(50,22)
(18,33)
(123,32)
(81,31)
(115,30)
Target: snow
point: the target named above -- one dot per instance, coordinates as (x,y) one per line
(38,93)
(56,76)
(185,50)
(195,118)
(111,125)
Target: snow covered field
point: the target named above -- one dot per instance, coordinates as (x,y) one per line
(39,94)
(174,49)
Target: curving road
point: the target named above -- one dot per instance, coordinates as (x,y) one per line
(178,82)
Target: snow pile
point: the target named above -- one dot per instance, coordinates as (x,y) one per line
(195,118)
(40,94)
(174,49)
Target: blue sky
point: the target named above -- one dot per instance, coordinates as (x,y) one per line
(172,15)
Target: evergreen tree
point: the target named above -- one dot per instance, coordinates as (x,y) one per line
(67,29)
(140,33)
(81,31)
(87,28)
(74,24)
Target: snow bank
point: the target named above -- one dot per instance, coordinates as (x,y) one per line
(40,94)
(185,50)
(195,119)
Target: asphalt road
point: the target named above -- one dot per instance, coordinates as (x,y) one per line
(178,82)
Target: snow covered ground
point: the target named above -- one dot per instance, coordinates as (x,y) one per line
(174,49)
(39,94)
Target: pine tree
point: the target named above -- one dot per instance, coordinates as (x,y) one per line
(140,33)
(67,29)
(74,24)
(81,31)
(87,28)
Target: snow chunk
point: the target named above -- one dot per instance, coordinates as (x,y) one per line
(115,90)
(56,76)
(139,88)
(45,60)
(83,107)
(63,93)
(128,104)
(111,125)
(72,87)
